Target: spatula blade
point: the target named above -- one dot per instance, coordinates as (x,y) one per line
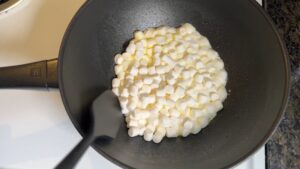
(106,114)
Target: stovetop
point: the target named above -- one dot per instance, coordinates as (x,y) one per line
(35,131)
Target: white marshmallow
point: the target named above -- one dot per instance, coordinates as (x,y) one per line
(151,70)
(203,99)
(131,48)
(171,132)
(214,96)
(148,135)
(138,35)
(148,80)
(143,70)
(134,71)
(119,59)
(133,90)
(159,134)
(132,123)
(199,65)
(125,93)
(203,41)
(174,113)
(140,114)
(118,69)
(222,93)
(116,91)
(116,82)
(133,131)
(196,112)
(169,89)
(161,69)
(168,60)
(145,89)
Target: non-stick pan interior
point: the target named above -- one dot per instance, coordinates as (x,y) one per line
(241,34)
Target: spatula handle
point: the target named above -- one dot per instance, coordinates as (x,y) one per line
(74,156)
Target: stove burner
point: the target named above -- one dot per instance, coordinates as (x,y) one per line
(8,4)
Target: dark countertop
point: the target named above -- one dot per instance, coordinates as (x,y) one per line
(283,148)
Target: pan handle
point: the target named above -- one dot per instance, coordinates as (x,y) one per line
(37,74)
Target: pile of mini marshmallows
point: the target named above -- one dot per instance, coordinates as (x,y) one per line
(170,82)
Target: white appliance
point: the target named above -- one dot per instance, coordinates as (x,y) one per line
(35,131)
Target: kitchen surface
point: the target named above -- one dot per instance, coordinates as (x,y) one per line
(35,130)
(283,148)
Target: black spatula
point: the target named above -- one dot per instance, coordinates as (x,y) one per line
(106,119)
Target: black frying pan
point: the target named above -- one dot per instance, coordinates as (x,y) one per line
(239,30)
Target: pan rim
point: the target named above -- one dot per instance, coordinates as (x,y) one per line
(255,148)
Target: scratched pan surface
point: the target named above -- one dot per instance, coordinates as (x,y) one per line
(242,34)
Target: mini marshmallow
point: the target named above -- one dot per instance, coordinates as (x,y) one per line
(193,93)
(160,39)
(161,100)
(157,49)
(149,33)
(138,35)
(139,54)
(134,71)
(147,99)
(151,43)
(174,113)
(132,105)
(145,89)
(148,135)
(169,89)
(119,59)
(116,82)
(179,91)
(197,112)
(142,122)
(143,70)
(214,96)
(133,90)
(118,69)
(133,131)
(222,93)
(151,70)
(139,83)
(125,93)
(131,48)
(148,80)
(140,114)
(171,132)
(123,101)
(207,82)
(189,28)
(168,60)
(160,91)
(159,134)
(149,52)
(165,122)
(116,91)
(203,99)
(203,41)
(132,123)
(144,62)
(161,69)
(180,48)
(199,65)
(221,77)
